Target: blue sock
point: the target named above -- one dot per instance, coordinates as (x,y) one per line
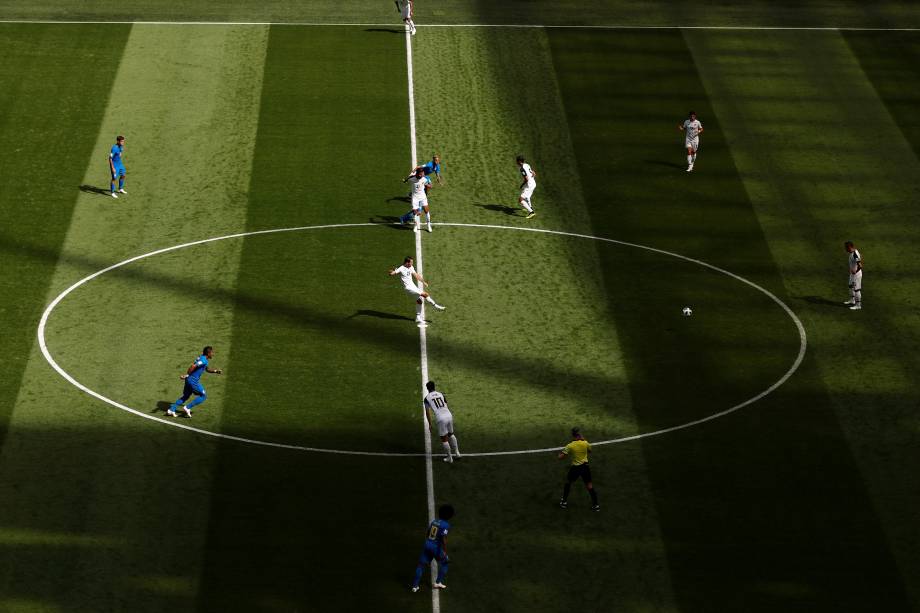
(178,403)
(418,575)
(113,186)
(442,571)
(196,401)
(121,183)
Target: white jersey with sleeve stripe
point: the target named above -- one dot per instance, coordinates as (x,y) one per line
(437,403)
(528,174)
(855,262)
(407,276)
(418,186)
(692,127)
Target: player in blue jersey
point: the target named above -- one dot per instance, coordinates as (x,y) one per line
(117,165)
(434,167)
(193,386)
(435,548)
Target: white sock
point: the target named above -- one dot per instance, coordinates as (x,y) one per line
(689,160)
(858,297)
(694,159)
(447,449)
(430,300)
(455,445)
(527,206)
(428,216)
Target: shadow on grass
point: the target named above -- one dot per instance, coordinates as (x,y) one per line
(92,189)
(500,208)
(379,315)
(162,406)
(389,220)
(390,30)
(405,199)
(667,164)
(821,301)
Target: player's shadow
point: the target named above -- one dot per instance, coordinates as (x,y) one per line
(405,199)
(379,315)
(664,163)
(389,220)
(92,189)
(162,407)
(821,301)
(500,208)
(390,30)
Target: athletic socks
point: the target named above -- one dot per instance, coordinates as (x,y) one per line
(565,491)
(693,159)
(689,160)
(121,183)
(593,496)
(455,445)
(447,451)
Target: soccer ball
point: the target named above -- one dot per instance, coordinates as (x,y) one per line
(687,311)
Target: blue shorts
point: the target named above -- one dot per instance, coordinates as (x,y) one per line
(120,170)
(430,553)
(192,388)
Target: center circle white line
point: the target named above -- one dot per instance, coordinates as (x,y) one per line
(803,342)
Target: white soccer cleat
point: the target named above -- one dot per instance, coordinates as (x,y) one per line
(122,191)
(439,586)
(856,307)
(186,412)
(415,229)
(414,589)
(440,308)
(448,460)
(114,195)
(850,301)
(429,227)
(170,413)
(690,168)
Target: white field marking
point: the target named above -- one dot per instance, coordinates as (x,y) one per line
(48,310)
(457,25)
(422,327)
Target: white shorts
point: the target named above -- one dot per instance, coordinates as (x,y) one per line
(414,291)
(693,143)
(406,10)
(419,202)
(527,192)
(856,281)
(445,422)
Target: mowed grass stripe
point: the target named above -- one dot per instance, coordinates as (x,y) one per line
(39,193)
(827,163)
(325,352)
(714,482)
(187,100)
(525,350)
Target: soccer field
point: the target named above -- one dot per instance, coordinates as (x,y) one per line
(756,456)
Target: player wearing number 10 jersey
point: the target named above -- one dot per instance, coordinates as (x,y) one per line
(436,410)
(435,548)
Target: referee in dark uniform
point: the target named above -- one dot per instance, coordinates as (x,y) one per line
(577,451)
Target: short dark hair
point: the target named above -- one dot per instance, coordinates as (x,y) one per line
(691,113)
(576,432)
(407,259)
(430,386)
(119,137)
(520,159)
(848,244)
(206,349)
(445,512)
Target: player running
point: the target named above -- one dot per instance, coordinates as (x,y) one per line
(578,451)
(856,270)
(409,277)
(528,184)
(406,9)
(435,548)
(419,195)
(117,166)
(437,411)
(693,129)
(193,386)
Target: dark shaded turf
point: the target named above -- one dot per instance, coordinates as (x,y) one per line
(54,88)
(782,520)
(304,531)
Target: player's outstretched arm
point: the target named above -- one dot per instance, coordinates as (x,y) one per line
(419,278)
(215,371)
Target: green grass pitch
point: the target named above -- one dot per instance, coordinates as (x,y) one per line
(297,116)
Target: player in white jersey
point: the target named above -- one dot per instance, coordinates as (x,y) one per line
(528,184)
(437,411)
(418,194)
(410,280)
(693,128)
(856,269)
(405,8)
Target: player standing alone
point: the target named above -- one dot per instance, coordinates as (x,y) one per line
(693,129)
(117,166)
(405,8)
(528,184)
(435,548)
(409,277)
(192,378)
(436,410)
(578,451)
(856,270)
